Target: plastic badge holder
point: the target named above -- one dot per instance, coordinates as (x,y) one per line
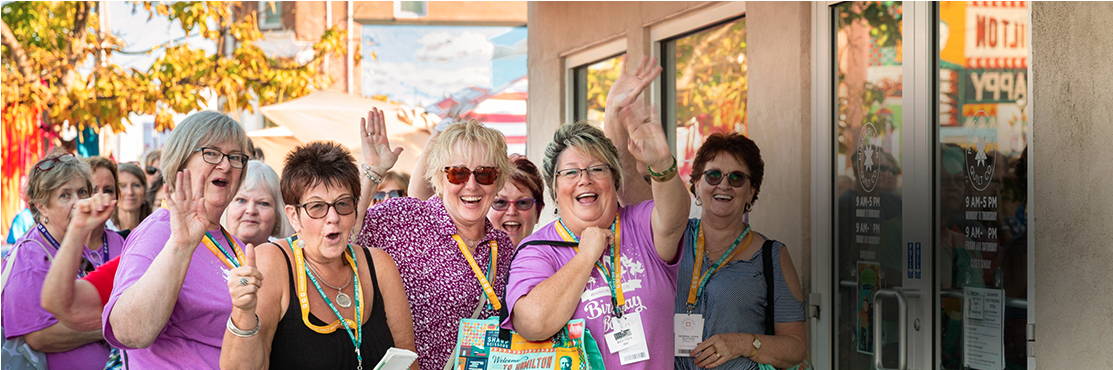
(396,359)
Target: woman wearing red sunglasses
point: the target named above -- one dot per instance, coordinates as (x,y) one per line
(453,261)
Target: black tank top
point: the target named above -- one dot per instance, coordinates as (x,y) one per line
(295,346)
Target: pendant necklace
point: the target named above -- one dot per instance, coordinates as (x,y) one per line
(342,299)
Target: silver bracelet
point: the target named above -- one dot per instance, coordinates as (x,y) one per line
(243,333)
(370,174)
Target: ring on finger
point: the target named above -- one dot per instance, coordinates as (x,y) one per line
(243,281)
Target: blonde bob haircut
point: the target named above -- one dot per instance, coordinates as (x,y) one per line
(200,129)
(590,140)
(41,183)
(262,176)
(461,140)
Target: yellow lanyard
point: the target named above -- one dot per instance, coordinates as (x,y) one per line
(303,296)
(492,269)
(613,279)
(221,254)
(699,281)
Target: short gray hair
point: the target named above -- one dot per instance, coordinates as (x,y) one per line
(473,133)
(587,138)
(40,183)
(259,174)
(198,130)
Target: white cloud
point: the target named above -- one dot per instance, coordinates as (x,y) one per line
(444,46)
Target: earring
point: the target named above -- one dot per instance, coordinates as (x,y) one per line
(46,220)
(749,206)
(699,202)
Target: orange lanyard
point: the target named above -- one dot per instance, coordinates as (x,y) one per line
(613,278)
(230,259)
(303,296)
(492,269)
(699,281)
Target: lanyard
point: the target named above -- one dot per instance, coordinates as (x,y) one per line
(613,275)
(230,260)
(85,253)
(699,281)
(484,281)
(303,298)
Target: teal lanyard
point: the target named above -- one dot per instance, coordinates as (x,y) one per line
(357,338)
(714,267)
(230,256)
(602,267)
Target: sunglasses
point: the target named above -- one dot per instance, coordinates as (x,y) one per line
(483,175)
(318,209)
(384,195)
(736,179)
(523,204)
(151,170)
(213,156)
(49,163)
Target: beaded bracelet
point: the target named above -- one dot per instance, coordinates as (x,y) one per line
(370,174)
(663,176)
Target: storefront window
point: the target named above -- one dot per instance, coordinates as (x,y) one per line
(591,82)
(705,86)
(982,126)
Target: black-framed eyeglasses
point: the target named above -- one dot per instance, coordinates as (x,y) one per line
(49,163)
(736,179)
(151,170)
(384,195)
(214,156)
(318,209)
(523,204)
(594,172)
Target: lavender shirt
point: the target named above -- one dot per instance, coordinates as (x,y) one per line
(648,283)
(192,337)
(24,315)
(439,282)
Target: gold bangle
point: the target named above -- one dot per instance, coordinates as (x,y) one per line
(663,176)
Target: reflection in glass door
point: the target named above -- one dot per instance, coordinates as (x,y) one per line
(981,170)
(869,118)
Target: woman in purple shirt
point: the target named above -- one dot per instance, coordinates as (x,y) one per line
(56,183)
(622,278)
(170,303)
(453,262)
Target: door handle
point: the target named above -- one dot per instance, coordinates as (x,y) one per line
(902,324)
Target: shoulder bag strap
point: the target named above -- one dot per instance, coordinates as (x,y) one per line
(767,270)
(10,263)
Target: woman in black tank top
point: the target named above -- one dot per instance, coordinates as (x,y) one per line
(313,301)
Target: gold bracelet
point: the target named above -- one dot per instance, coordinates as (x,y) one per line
(663,176)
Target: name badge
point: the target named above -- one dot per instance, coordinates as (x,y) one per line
(688,333)
(628,339)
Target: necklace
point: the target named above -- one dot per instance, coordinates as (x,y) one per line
(342,299)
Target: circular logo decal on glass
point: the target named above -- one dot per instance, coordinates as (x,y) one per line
(867,158)
(979,158)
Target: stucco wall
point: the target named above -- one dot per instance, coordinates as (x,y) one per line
(1072,95)
(779,54)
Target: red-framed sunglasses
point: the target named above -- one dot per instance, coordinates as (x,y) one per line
(483,175)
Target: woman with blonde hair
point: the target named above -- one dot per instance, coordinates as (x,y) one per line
(255,215)
(453,262)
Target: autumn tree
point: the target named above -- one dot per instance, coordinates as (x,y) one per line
(57,61)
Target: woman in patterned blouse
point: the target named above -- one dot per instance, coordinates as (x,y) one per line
(453,262)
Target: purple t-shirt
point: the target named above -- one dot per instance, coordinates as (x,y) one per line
(648,283)
(192,337)
(22,312)
(441,286)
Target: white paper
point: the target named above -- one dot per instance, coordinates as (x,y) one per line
(983,335)
(688,333)
(396,359)
(638,350)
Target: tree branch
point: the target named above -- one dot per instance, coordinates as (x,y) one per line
(17,51)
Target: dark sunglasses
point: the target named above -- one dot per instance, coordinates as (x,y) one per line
(384,195)
(152,170)
(736,179)
(49,163)
(483,175)
(318,209)
(523,204)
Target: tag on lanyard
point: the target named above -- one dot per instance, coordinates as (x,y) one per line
(638,350)
(688,333)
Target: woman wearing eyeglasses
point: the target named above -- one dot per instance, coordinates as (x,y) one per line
(56,183)
(394,185)
(313,300)
(453,261)
(169,306)
(518,205)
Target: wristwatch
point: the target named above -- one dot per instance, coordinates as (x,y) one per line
(757,346)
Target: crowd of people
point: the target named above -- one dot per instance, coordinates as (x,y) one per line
(202,257)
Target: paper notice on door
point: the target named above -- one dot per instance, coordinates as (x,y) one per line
(983,333)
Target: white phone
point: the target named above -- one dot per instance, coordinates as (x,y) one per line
(396,359)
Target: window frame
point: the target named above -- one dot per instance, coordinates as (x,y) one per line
(260,14)
(575,59)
